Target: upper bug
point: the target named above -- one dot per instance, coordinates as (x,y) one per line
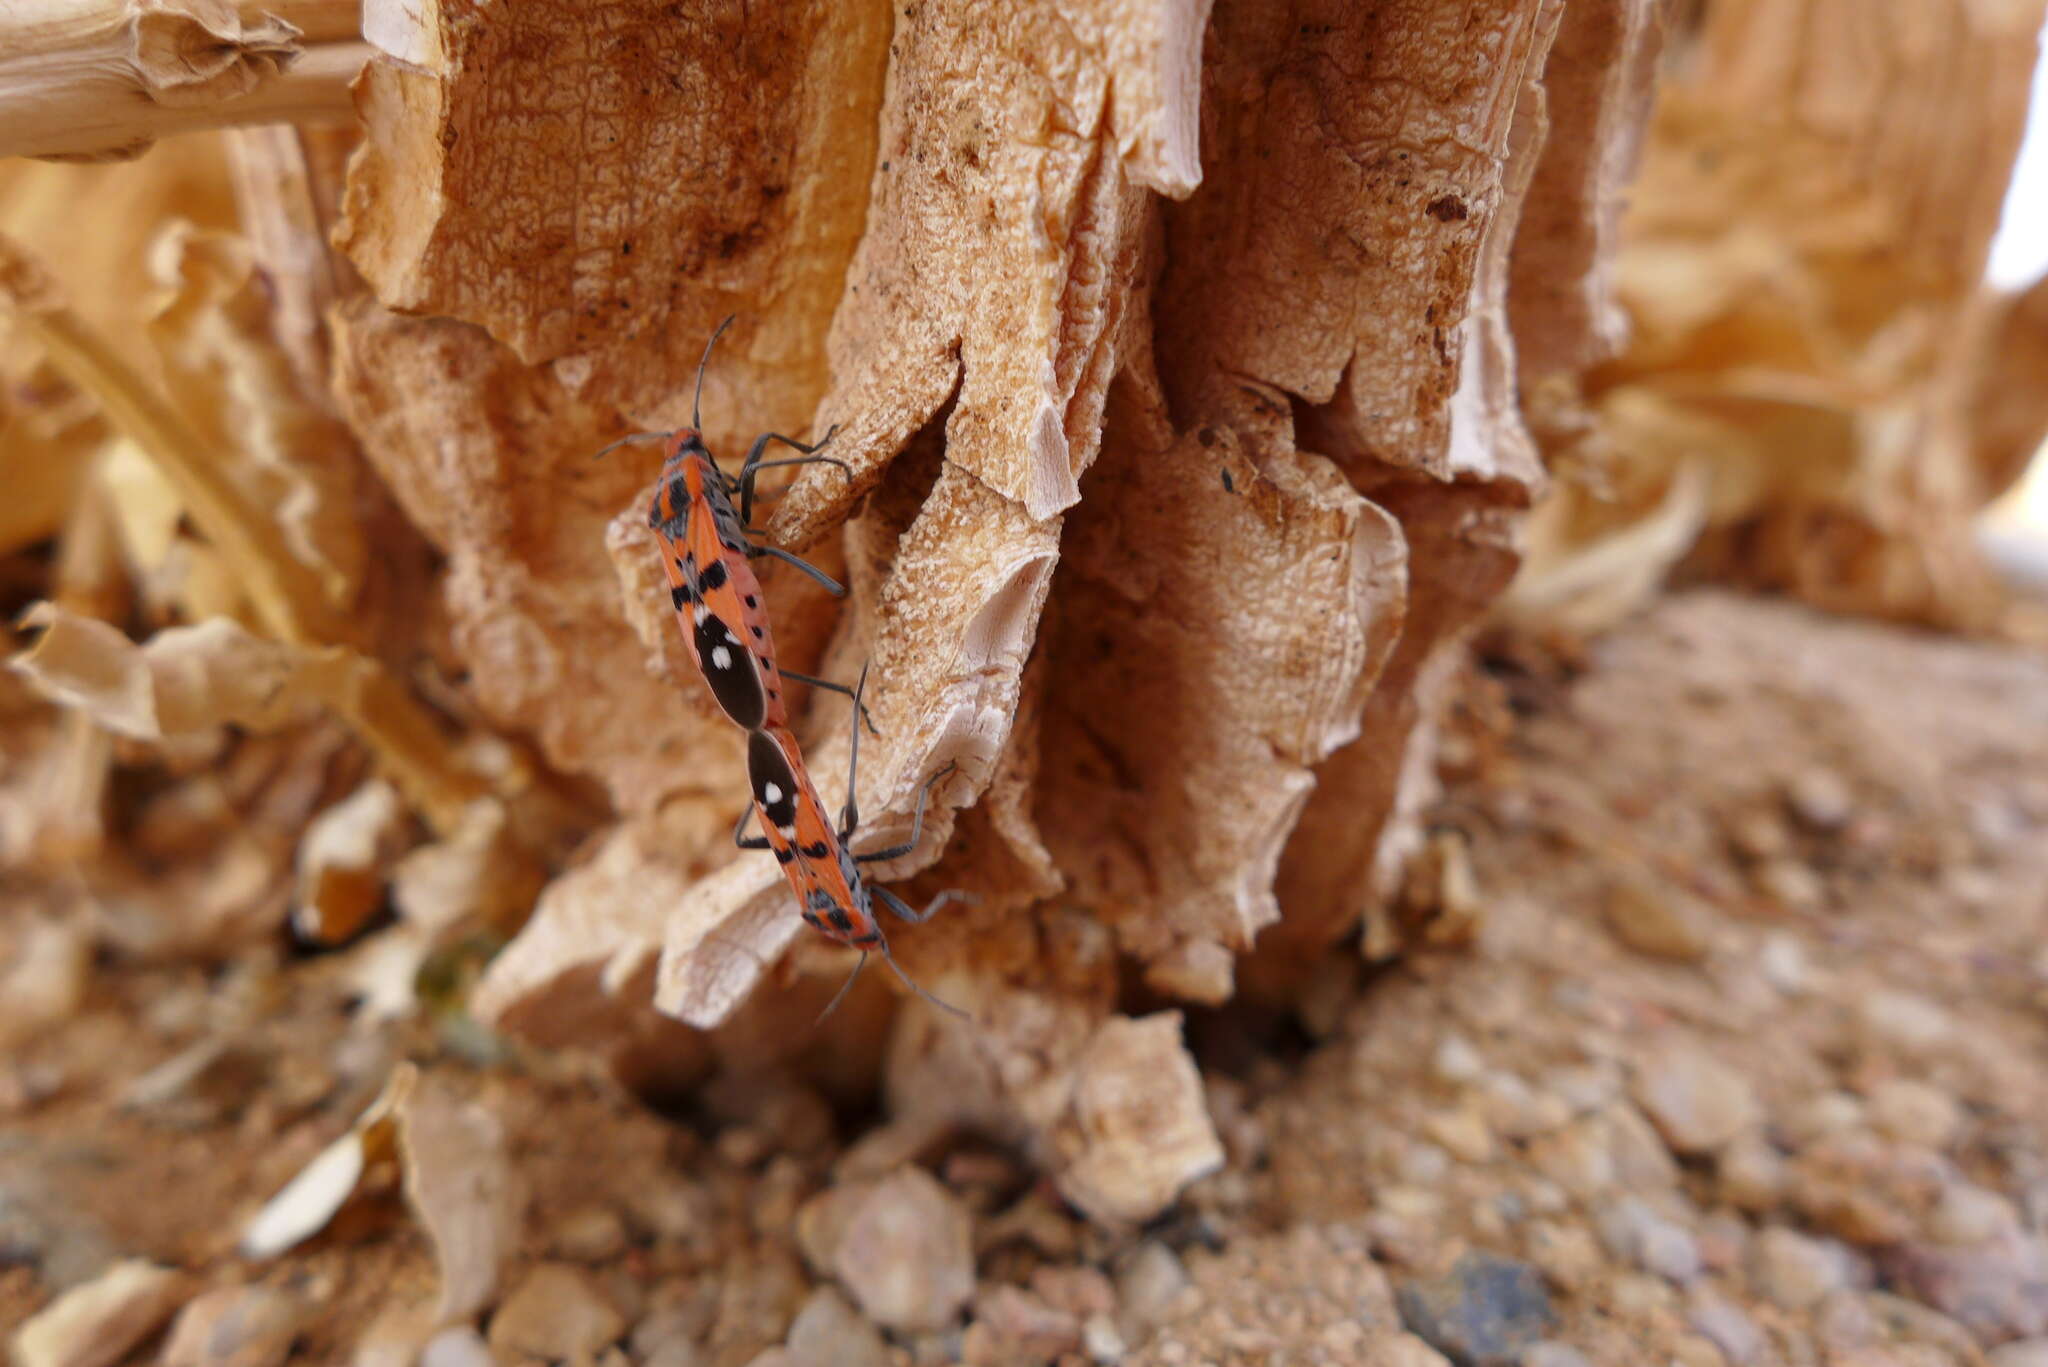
(819,861)
(701,519)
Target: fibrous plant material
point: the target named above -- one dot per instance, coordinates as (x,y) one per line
(1807,400)
(1154,500)
(101,81)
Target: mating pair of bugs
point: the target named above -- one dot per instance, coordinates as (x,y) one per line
(702,519)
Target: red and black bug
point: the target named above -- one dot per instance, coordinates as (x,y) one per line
(707,547)
(819,861)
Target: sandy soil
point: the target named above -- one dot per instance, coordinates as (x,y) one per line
(1745,1061)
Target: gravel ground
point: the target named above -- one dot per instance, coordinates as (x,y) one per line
(1741,1062)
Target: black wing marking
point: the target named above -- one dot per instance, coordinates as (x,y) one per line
(731,670)
(774,786)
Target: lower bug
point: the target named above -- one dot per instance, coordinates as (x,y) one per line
(819,861)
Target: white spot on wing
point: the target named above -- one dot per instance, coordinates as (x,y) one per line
(721,658)
(772,791)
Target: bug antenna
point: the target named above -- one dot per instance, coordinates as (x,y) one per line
(632,440)
(844,988)
(697,399)
(890,959)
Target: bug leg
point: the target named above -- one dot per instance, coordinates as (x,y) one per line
(890,959)
(849,815)
(753,464)
(831,585)
(742,839)
(829,686)
(916,823)
(903,911)
(844,988)
(844,468)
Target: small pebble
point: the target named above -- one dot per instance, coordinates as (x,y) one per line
(1968,1214)
(1658,918)
(235,1326)
(95,1325)
(1423,1163)
(589,1234)
(1584,1087)
(675,1210)
(1905,1021)
(1101,1341)
(1022,1325)
(1915,1112)
(460,1346)
(1793,1271)
(1456,1061)
(1790,883)
(681,1312)
(828,1332)
(1818,1117)
(1758,834)
(1784,964)
(1635,1233)
(1551,1353)
(1464,1132)
(1696,1102)
(555,1312)
(1751,1174)
(906,1253)
(1485,1312)
(1567,1254)
(1845,1320)
(1729,1327)
(1998,1290)
(1148,1282)
(1820,799)
(1519,1112)
(1723,1239)
(1080,1291)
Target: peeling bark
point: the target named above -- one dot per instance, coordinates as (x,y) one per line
(1180,455)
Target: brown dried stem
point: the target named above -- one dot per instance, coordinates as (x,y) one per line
(102,81)
(285,592)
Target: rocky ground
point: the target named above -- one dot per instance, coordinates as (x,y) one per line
(1742,1059)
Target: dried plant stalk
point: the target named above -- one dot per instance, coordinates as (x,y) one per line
(285,591)
(102,81)
(1158,516)
(1804,264)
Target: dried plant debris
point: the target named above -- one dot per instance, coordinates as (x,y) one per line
(343,862)
(450,1156)
(1810,320)
(1027,469)
(188,680)
(361,1156)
